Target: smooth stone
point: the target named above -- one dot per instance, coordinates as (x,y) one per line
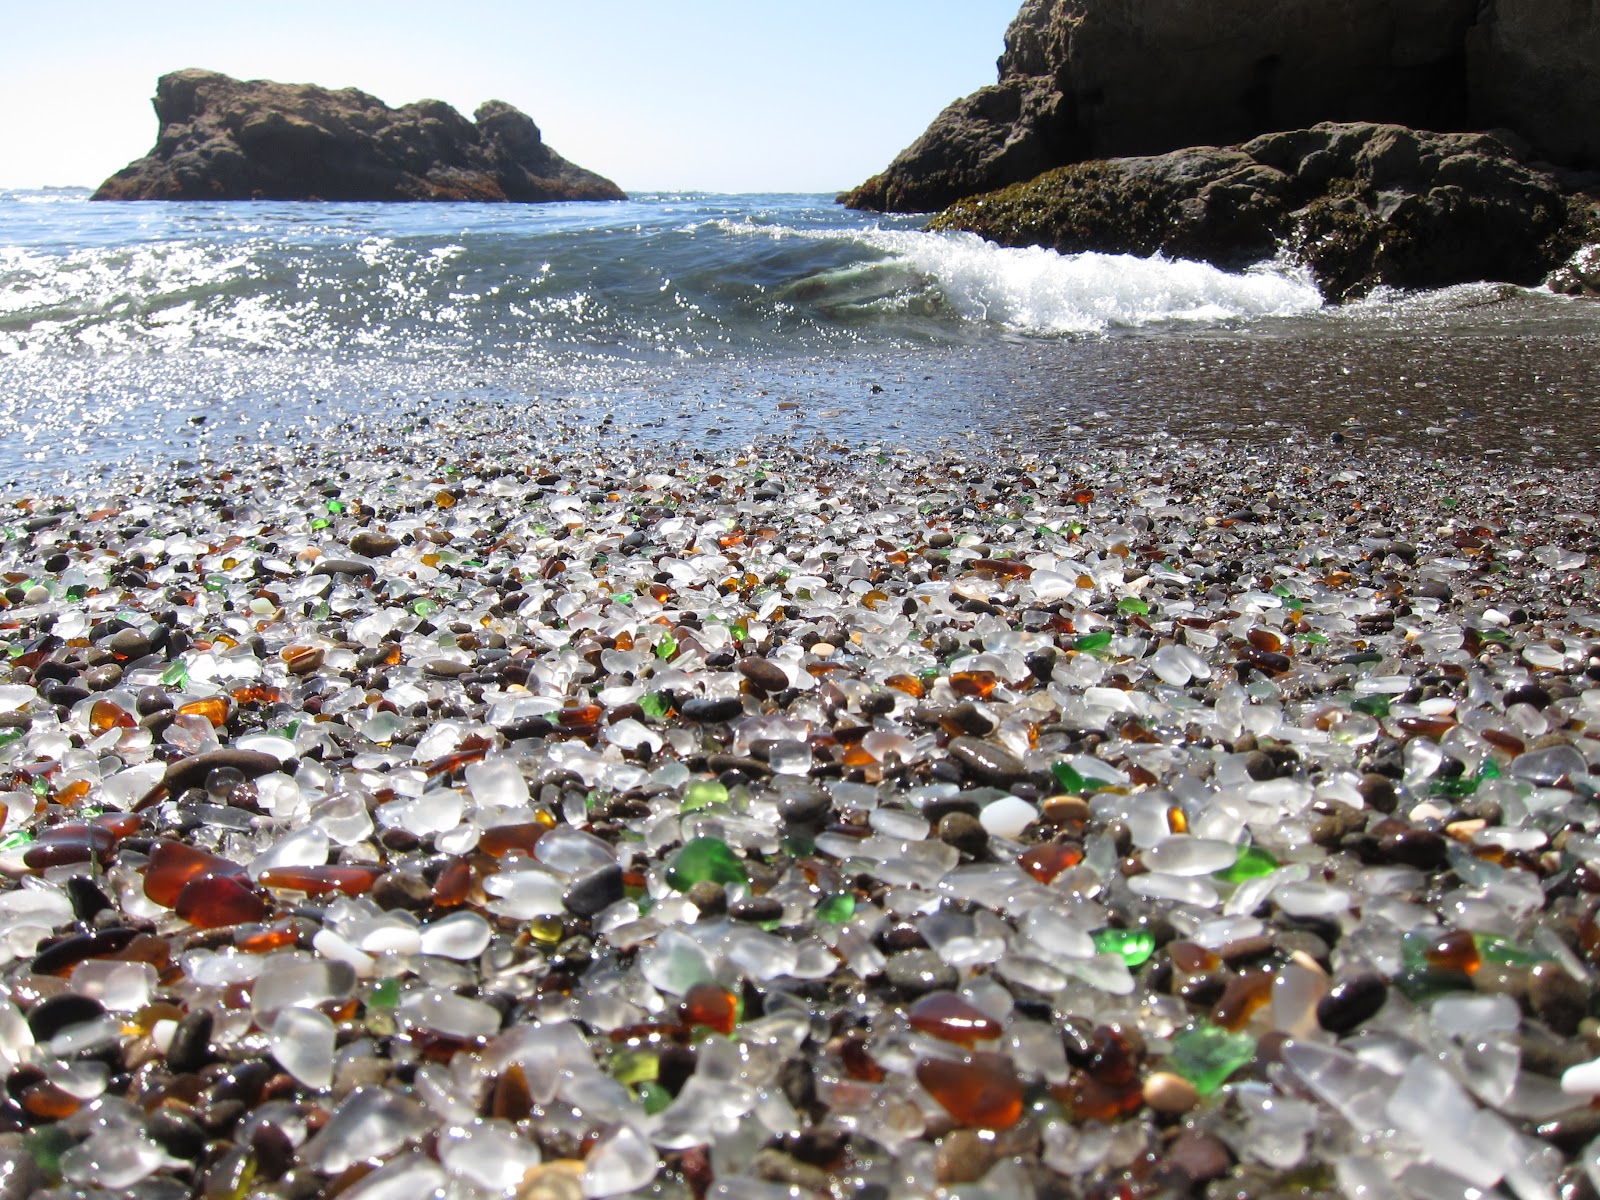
(963,831)
(130,643)
(965,1155)
(343,566)
(190,1048)
(102,678)
(764,674)
(374,543)
(1556,998)
(986,760)
(56,1013)
(192,771)
(1350,1002)
(916,972)
(1170,1093)
(711,709)
(593,893)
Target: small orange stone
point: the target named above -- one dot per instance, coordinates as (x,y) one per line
(212,708)
(106,716)
(173,866)
(214,901)
(1242,998)
(319,881)
(947,1016)
(1455,951)
(978,684)
(710,1005)
(453,884)
(1047,860)
(500,840)
(909,684)
(983,1092)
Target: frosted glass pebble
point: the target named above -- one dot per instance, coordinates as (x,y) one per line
(489,1153)
(790,757)
(1007,817)
(573,852)
(390,937)
(497,782)
(126,788)
(1311,899)
(303,1043)
(899,823)
(1583,1079)
(1157,886)
(332,946)
(462,935)
(408,1177)
(622,1161)
(112,1158)
(120,986)
(525,894)
(447,1013)
(301,983)
(1181,854)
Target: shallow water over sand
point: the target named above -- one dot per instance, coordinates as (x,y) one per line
(142,333)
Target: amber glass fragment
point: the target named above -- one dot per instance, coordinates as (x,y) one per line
(978,684)
(453,884)
(1454,951)
(1047,860)
(105,716)
(909,684)
(984,1092)
(212,708)
(173,865)
(1244,996)
(213,901)
(710,1005)
(500,840)
(319,881)
(948,1017)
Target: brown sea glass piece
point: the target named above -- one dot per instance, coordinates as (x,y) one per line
(1454,951)
(105,716)
(983,1092)
(1243,997)
(1048,859)
(909,684)
(946,1016)
(214,901)
(453,884)
(173,866)
(72,842)
(319,881)
(212,708)
(710,1005)
(977,684)
(501,840)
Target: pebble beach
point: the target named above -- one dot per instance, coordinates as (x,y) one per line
(498,807)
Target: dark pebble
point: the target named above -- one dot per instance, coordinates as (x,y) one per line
(964,832)
(49,1017)
(593,893)
(764,674)
(130,643)
(193,771)
(1378,792)
(757,909)
(1420,848)
(343,566)
(1350,1002)
(102,678)
(915,972)
(152,700)
(1556,998)
(190,1048)
(373,543)
(709,897)
(176,1133)
(1200,1156)
(711,709)
(987,761)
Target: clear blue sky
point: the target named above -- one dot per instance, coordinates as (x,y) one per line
(707,94)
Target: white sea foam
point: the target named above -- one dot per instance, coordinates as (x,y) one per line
(1038,291)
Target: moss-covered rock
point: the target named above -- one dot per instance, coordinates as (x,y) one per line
(1360,205)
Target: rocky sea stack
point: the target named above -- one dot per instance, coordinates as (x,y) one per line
(1092,79)
(230,139)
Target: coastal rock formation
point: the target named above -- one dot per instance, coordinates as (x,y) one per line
(1359,204)
(1532,69)
(228,139)
(1089,79)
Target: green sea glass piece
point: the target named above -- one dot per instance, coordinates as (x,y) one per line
(655,704)
(385,994)
(19,837)
(1093,641)
(46,1146)
(836,910)
(1373,706)
(1133,605)
(1252,863)
(666,647)
(1207,1054)
(176,674)
(703,793)
(1068,779)
(704,858)
(653,1097)
(1133,946)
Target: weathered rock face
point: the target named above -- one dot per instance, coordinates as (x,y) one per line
(1533,69)
(1359,204)
(227,139)
(1088,79)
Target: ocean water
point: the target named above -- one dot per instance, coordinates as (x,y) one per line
(145,333)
